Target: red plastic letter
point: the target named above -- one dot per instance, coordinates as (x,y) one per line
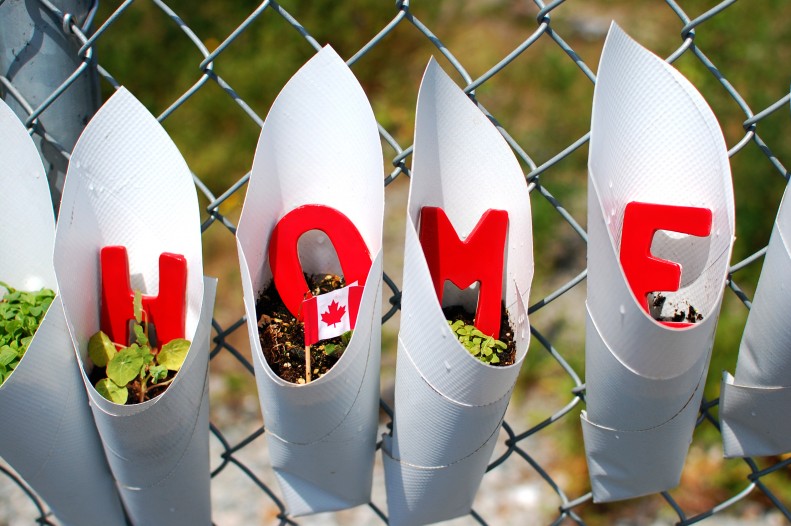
(167,311)
(479,258)
(350,246)
(645,272)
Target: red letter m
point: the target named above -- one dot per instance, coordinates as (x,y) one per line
(479,258)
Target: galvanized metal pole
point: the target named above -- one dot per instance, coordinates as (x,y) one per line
(38,55)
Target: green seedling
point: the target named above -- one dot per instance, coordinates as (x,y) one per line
(137,371)
(486,348)
(332,348)
(20,315)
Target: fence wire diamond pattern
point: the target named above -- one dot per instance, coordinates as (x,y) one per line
(533,441)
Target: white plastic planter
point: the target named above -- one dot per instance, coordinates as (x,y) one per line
(48,435)
(128,185)
(319,146)
(653,140)
(448,405)
(754,404)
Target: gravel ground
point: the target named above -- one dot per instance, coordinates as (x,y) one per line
(522,496)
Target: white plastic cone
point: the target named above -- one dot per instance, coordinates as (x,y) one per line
(754,405)
(319,145)
(48,435)
(653,140)
(448,404)
(128,185)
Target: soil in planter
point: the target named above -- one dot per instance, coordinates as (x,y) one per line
(691,315)
(508,356)
(99,373)
(282,336)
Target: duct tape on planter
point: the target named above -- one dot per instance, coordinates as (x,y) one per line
(322,435)
(49,436)
(653,139)
(126,179)
(754,405)
(448,404)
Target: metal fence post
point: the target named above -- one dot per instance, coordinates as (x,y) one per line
(38,54)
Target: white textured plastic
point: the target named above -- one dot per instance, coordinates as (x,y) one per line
(319,145)
(448,404)
(653,139)
(754,404)
(127,184)
(49,437)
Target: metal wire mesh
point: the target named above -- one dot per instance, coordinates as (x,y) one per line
(543,445)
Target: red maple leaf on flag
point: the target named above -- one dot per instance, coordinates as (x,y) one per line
(334,314)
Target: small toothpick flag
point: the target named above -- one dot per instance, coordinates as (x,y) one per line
(331,314)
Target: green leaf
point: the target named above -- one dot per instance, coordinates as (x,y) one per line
(495,359)
(346,337)
(173,354)
(140,334)
(158,373)
(13,297)
(46,301)
(111,391)
(7,355)
(30,325)
(126,365)
(13,326)
(20,315)
(101,349)
(138,306)
(330,348)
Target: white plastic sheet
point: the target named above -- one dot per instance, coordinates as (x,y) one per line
(754,403)
(127,184)
(448,404)
(654,140)
(319,145)
(48,435)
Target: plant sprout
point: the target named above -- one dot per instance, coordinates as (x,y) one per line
(20,315)
(141,368)
(486,348)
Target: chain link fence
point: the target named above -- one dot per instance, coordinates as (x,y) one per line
(538,474)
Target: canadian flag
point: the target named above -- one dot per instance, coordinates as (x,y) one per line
(331,314)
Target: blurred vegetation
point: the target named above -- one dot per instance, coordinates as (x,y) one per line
(542,99)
